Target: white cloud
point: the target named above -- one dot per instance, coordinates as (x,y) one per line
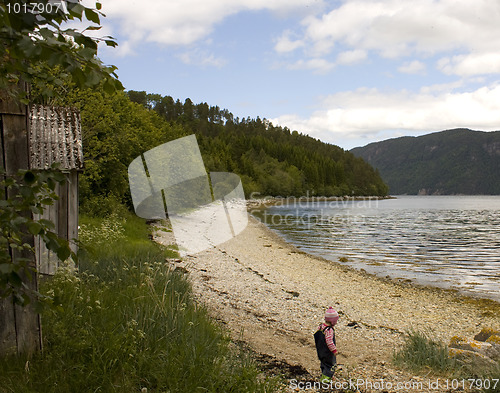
(402,28)
(182,22)
(413,67)
(285,44)
(367,112)
(317,65)
(351,57)
(201,58)
(471,64)
(442,87)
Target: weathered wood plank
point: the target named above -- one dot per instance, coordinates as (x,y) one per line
(24,322)
(53,216)
(62,210)
(27,319)
(10,106)
(8,342)
(73,209)
(2,155)
(42,252)
(15,143)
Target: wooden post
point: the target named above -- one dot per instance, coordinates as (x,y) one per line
(20,329)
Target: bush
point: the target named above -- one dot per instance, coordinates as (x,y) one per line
(102,206)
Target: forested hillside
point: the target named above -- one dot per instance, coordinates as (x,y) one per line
(270,160)
(458,161)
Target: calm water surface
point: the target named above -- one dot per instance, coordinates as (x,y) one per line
(446,241)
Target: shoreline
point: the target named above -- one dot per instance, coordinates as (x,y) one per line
(262,203)
(467,296)
(271,296)
(453,291)
(370,263)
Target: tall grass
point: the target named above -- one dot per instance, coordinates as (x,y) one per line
(125,322)
(422,353)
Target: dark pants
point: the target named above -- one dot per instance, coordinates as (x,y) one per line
(327,364)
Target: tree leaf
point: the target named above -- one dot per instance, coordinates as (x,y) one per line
(92,16)
(108,87)
(22,299)
(63,252)
(15,280)
(87,53)
(78,76)
(111,43)
(46,223)
(93,28)
(75,10)
(93,78)
(29,177)
(19,220)
(34,227)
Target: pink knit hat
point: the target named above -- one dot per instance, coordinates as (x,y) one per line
(331,316)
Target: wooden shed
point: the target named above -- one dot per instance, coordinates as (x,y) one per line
(55,137)
(34,138)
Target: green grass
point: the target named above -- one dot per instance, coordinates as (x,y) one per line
(421,353)
(125,322)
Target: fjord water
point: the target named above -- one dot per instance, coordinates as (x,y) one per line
(445,241)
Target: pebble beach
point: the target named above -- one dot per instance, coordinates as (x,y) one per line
(272,296)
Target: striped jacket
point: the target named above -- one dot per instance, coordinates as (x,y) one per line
(329,337)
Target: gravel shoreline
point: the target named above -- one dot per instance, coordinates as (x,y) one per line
(272,296)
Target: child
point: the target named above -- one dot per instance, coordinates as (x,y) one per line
(325,344)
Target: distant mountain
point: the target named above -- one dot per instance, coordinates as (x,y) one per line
(458,161)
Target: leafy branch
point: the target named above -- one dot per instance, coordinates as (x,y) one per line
(23,200)
(32,43)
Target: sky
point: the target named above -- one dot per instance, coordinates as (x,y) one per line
(346,72)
